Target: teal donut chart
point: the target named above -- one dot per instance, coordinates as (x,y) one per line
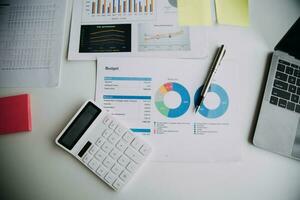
(221,109)
(172,112)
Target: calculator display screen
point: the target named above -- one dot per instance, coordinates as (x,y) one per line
(80,124)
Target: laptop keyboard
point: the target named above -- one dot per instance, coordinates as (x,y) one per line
(286,86)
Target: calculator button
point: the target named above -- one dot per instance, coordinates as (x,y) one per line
(107,120)
(137,143)
(110,177)
(101,171)
(113,125)
(145,149)
(120,130)
(116,169)
(113,138)
(121,145)
(108,162)
(106,133)
(118,184)
(94,164)
(87,158)
(115,154)
(123,160)
(128,137)
(132,167)
(100,141)
(125,175)
(100,155)
(135,156)
(93,149)
(107,147)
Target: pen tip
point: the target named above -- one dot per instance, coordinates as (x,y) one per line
(196,109)
(198,104)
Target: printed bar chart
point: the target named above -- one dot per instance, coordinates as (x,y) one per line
(120,7)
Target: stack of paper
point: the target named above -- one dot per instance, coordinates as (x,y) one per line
(194,12)
(31,35)
(198,12)
(232,12)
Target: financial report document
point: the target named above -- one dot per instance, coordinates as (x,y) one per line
(156,99)
(31,38)
(130,28)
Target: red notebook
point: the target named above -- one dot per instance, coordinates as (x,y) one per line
(15,114)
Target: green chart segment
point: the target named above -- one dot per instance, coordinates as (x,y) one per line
(172,112)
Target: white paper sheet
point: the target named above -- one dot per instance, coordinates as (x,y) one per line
(105,28)
(155,98)
(31,35)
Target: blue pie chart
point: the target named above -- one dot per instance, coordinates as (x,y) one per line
(220,109)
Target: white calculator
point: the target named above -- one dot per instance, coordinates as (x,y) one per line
(104,145)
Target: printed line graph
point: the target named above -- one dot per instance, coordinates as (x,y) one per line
(163,38)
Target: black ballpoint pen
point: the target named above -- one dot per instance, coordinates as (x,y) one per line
(216,62)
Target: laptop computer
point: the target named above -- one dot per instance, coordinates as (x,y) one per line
(278,125)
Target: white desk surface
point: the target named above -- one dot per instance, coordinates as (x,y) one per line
(33,167)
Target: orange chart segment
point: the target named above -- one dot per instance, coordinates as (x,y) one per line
(163,89)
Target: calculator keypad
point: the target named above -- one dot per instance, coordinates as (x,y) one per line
(116,154)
